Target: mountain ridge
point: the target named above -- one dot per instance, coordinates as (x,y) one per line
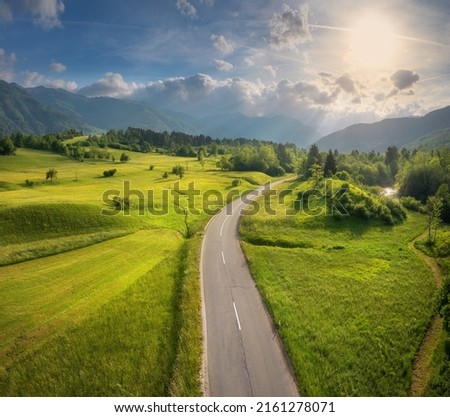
(387,132)
(41,110)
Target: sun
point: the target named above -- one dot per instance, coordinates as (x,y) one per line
(372,42)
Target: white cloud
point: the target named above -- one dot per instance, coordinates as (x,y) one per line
(186,8)
(222,44)
(34,79)
(207,2)
(290,28)
(57,67)
(306,91)
(46,13)
(111,85)
(402,79)
(223,65)
(204,95)
(249,61)
(272,71)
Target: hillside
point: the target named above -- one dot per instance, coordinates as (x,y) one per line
(378,136)
(104,113)
(19,111)
(434,140)
(44,110)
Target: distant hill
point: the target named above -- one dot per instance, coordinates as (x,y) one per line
(434,140)
(20,112)
(277,128)
(41,110)
(378,136)
(104,113)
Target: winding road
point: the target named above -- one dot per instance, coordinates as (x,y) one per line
(244,356)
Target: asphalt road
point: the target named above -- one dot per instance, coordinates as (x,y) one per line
(244,356)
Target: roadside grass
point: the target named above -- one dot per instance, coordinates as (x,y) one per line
(96,301)
(352,303)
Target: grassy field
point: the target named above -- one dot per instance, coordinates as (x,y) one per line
(351,301)
(439,378)
(96,304)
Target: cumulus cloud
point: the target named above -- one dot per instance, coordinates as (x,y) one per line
(45,13)
(7,65)
(223,45)
(272,71)
(402,79)
(306,91)
(57,67)
(204,95)
(346,83)
(111,85)
(186,8)
(290,28)
(33,79)
(223,65)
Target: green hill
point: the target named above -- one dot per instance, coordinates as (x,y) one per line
(20,112)
(434,140)
(378,136)
(109,113)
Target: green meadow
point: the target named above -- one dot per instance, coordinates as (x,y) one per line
(351,301)
(96,301)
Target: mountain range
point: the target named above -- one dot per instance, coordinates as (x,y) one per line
(44,110)
(400,132)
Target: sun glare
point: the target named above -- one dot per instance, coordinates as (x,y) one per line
(372,42)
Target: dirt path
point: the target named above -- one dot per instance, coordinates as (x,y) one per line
(422,361)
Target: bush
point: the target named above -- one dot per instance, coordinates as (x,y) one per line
(178,170)
(236,182)
(367,206)
(343,175)
(411,203)
(121,203)
(166,175)
(109,173)
(124,157)
(275,171)
(29,183)
(151,167)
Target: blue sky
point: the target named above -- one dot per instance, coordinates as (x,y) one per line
(327,63)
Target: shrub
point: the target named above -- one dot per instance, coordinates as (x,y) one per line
(29,183)
(343,175)
(124,157)
(109,173)
(121,203)
(411,203)
(151,167)
(275,171)
(178,170)
(236,182)
(166,175)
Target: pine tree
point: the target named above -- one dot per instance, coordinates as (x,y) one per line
(330,165)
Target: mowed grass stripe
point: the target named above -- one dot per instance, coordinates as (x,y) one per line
(42,296)
(127,347)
